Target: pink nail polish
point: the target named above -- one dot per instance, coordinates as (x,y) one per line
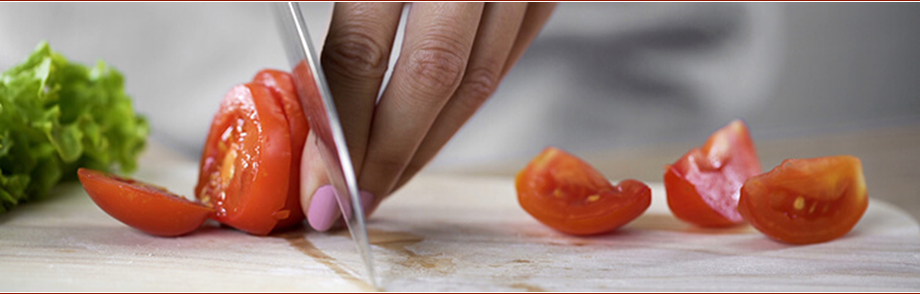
(324,209)
(367,200)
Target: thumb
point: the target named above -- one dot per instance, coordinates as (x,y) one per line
(316,196)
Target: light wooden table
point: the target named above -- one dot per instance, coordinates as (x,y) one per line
(467,233)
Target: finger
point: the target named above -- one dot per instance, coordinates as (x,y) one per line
(355,58)
(321,210)
(497,31)
(439,38)
(536,16)
(317,197)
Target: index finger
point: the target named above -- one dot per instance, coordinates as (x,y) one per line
(355,58)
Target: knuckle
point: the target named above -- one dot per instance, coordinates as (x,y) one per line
(436,68)
(478,85)
(355,53)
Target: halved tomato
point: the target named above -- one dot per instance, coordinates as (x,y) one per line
(704,185)
(566,194)
(281,85)
(246,162)
(145,207)
(806,200)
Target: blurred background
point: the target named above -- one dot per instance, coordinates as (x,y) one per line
(630,86)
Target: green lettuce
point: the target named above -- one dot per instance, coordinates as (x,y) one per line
(57,116)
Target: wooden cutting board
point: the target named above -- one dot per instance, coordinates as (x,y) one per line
(441,233)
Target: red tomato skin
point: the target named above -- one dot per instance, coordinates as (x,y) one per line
(690,207)
(282,86)
(253,200)
(805,201)
(704,185)
(142,206)
(570,210)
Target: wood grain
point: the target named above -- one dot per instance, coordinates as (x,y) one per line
(441,233)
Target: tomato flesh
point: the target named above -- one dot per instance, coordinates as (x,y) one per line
(703,186)
(250,166)
(246,162)
(282,87)
(143,206)
(806,201)
(568,195)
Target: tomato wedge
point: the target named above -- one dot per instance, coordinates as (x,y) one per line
(806,201)
(568,195)
(142,206)
(246,162)
(704,185)
(281,85)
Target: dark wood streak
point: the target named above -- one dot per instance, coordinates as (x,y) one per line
(298,241)
(528,287)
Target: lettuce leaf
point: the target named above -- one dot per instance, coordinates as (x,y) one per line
(57,116)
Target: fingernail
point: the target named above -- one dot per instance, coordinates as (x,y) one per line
(367,200)
(323,210)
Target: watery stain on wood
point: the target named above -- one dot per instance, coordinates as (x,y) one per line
(399,243)
(297,240)
(527,287)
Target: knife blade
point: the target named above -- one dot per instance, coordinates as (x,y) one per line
(319,107)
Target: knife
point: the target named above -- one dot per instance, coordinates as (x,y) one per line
(319,108)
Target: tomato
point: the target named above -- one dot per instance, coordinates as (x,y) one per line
(806,201)
(704,185)
(566,194)
(281,85)
(142,206)
(246,162)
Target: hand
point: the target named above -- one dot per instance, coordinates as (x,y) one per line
(452,59)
